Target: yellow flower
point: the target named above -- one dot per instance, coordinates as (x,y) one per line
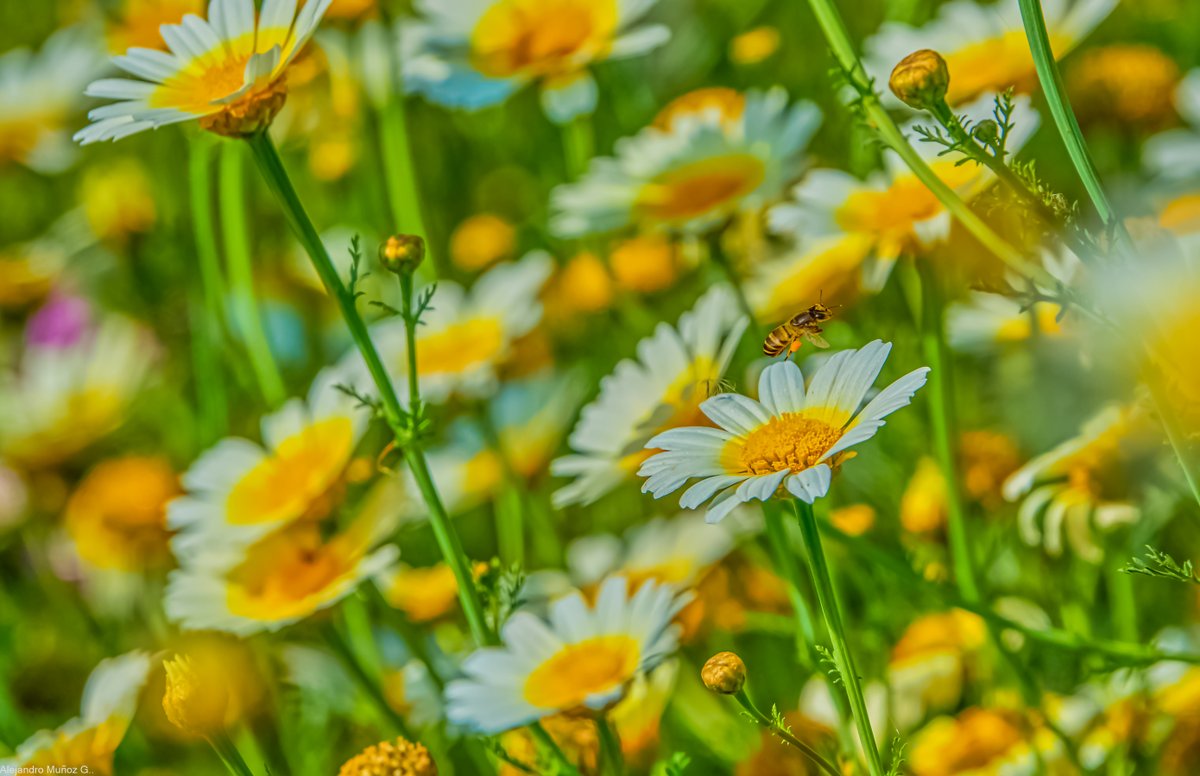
(118,199)
(753,46)
(855,519)
(582,286)
(423,594)
(727,104)
(117,516)
(227,72)
(724,673)
(923,505)
(645,264)
(138,22)
(391,758)
(1123,84)
(350,9)
(988,459)
(481,241)
(195,702)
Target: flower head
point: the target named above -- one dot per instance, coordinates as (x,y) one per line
(482,240)
(920,79)
(584,657)
(471,54)
(228,72)
(790,440)
(391,758)
(195,703)
(724,673)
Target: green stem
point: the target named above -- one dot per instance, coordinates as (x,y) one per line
(545,741)
(831,611)
(511,505)
(1064,118)
(579,145)
(367,683)
(241,275)
(395,416)
(785,734)
(805,632)
(838,39)
(610,747)
(400,176)
(229,754)
(1175,436)
(206,316)
(941,403)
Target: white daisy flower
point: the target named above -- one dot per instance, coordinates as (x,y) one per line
(39,94)
(583,657)
(465,335)
(1064,487)
(1173,157)
(697,170)
(984,45)
(790,440)
(89,740)
(226,585)
(226,71)
(831,267)
(74,384)
(242,490)
(891,213)
(474,53)
(676,368)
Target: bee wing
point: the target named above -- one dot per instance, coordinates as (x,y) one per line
(816,339)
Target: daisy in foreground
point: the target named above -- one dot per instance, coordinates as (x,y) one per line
(227,72)
(585,657)
(790,440)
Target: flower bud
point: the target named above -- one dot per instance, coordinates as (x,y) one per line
(401,757)
(402,253)
(921,79)
(986,132)
(193,703)
(724,673)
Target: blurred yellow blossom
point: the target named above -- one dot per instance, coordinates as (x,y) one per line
(482,240)
(855,519)
(195,702)
(923,505)
(1123,83)
(137,22)
(118,199)
(753,46)
(117,516)
(645,264)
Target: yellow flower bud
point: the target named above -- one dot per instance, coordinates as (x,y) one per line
(402,253)
(724,673)
(754,46)
(194,703)
(921,79)
(391,758)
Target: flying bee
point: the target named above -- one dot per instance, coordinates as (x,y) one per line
(792,333)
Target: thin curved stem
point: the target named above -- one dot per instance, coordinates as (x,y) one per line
(206,316)
(229,754)
(831,610)
(365,681)
(232,205)
(785,735)
(610,747)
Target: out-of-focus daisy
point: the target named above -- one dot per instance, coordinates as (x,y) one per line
(693,171)
(39,94)
(1064,486)
(136,23)
(638,716)
(929,665)
(832,267)
(1175,154)
(423,594)
(481,241)
(987,459)
(86,744)
(753,46)
(73,383)
(987,320)
(239,489)
(581,286)
(226,585)
(1123,84)
(474,53)
(227,72)
(923,505)
(891,211)
(676,369)
(645,264)
(790,440)
(984,45)
(466,335)
(117,516)
(583,657)
(983,741)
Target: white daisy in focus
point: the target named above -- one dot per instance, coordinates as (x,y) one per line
(584,657)
(86,744)
(474,53)
(676,368)
(790,440)
(984,45)
(465,336)
(224,584)
(692,171)
(891,213)
(39,94)
(228,72)
(242,490)
(1068,486)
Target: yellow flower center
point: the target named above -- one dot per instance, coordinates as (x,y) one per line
(207,79)
(294,482)
(117,515)
(700,188)
(577,671)
(789,441)
(21,133)
(679,407)
(291,573)
(993,65)
(460,347)
(541,37)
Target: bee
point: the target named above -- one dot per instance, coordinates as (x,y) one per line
(792,333)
